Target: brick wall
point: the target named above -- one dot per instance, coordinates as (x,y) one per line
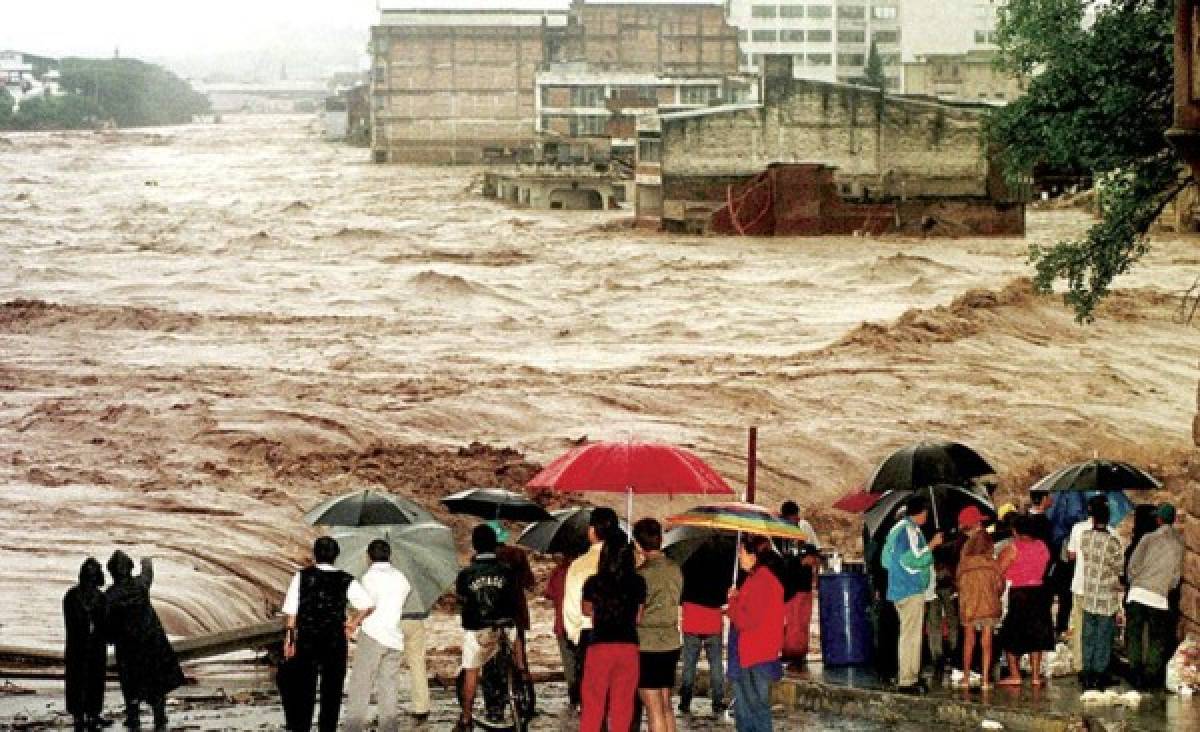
(1189,502)
(886,144)
(441,95)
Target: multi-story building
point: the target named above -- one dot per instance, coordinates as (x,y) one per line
(828,40)
(25,75)
(456,82)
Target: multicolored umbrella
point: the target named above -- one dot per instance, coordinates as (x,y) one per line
(632,468)
(736,516)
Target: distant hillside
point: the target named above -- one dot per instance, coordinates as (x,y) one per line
(128,92)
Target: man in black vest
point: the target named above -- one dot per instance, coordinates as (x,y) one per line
(315,640)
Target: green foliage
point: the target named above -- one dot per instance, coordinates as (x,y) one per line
(6,106)
(131,93)
(873,74)
(1099,100)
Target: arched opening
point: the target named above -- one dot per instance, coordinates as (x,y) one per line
(576,199)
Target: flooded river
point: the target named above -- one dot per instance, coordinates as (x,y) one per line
(207,329)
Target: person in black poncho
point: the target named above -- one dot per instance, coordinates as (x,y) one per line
(146,662)
(86,650)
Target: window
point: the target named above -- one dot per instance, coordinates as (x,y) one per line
(650,151)
(820,59)
(887,36)
(851,59)
(820,11)
(980,36)
(791,11)
(852,36)
(588,125)
(820,36)
(587,96)
(791,36)
(765,36)
(763,11)
(853,12)
(884,12)
(698,94)
(743,35)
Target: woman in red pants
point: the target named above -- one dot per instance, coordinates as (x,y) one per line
(614,598)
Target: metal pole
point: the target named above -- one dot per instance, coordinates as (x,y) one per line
(751,463)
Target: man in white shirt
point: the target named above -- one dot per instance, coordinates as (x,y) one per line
(1071,549)
(379,657)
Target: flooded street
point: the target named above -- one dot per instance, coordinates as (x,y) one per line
(207,329)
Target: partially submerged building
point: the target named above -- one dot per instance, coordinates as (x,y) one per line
(815,146)
(457,83)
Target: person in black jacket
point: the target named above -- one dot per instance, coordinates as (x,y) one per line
(146,662)
(315,640)
(488,591)
(84,610)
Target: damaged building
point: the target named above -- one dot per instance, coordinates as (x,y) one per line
(822,158)
(456,83)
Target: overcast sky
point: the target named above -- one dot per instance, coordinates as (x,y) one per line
(165,27)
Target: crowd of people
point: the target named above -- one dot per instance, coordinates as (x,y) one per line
(626,615)
(1009,584)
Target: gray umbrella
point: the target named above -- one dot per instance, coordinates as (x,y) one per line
(564,533)
(424,552)
(367,508)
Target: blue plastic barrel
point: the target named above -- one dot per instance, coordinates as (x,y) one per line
(845,622)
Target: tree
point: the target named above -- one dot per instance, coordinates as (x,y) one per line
(6,106)
(873,74)
(1099,100)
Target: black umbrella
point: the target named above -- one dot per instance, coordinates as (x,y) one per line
(367,508)
(495,503)
(1098,475)
(945,503)
(704,557)
(928,463)
(565,532)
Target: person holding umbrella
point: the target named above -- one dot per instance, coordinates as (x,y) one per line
(379,599)
(756,611)
(908,559)
(702,622)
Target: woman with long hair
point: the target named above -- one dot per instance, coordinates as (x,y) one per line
(615,598)
(756,610)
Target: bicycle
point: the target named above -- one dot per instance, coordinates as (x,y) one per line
(508,695)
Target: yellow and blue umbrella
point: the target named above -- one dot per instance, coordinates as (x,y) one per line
(734,516)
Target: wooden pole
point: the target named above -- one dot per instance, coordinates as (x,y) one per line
(751,463)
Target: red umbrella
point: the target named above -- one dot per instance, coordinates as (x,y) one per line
(631,468)
(857,501)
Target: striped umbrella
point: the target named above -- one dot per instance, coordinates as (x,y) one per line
(735,516)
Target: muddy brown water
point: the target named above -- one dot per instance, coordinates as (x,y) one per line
(207,329)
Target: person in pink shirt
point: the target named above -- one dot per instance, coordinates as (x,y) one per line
(1028,627)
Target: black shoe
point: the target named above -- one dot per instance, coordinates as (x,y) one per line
(133,716)
(420,717)
(94,724)
(917,689)
(922,687)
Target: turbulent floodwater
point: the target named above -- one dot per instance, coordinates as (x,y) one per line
(209,328)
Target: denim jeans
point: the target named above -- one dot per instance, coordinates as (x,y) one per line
(716,666)
(752,699)
(1098,631)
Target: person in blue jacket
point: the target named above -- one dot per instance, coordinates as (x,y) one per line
(908,559)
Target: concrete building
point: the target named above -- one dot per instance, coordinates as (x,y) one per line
(971,76)
(874,147)
(829,40)
(454,82)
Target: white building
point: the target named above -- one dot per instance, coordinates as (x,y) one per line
(948,27)
(829,40)
(25,76)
